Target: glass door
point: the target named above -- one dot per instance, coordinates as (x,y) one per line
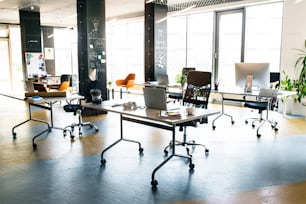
(229,45)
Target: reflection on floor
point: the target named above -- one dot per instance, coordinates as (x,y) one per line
(239,169)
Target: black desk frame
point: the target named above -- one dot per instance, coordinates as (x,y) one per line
(172,128)
(48,106)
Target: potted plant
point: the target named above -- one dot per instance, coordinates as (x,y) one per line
(96,96)
(299,84)
(181,78)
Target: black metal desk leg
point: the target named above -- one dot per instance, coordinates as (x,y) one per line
(140,149)
(222,113)
(37,120)
(154,182)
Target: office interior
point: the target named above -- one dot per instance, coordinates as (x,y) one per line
(125,54)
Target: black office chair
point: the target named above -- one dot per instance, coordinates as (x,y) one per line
(264,103)
(77,110)
(179,96)
(197,95)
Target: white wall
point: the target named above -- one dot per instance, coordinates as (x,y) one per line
(293,37)
(294,34)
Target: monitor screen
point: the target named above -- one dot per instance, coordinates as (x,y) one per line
(259,71)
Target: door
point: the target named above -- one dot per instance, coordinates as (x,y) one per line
(229,45)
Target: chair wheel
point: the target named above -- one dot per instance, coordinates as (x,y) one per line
(258,135)
(166,152)
(246,122)
(233,122)
(213,127)
(253,126)
(140,150)
(34,146)
(103,161)
(206,151)
(14,135)
(275,129)
(154,183)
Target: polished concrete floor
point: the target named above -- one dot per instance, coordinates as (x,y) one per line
(240,168)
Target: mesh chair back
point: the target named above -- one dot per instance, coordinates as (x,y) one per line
(198,89)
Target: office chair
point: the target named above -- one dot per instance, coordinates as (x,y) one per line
(197,95)
(263,103)
(128,82)
(64,85)
(179,96)
(77,110)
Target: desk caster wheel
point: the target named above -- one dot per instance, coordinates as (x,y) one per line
(206,151)
(191,166)
(103,161)
(34,146)
(154,183)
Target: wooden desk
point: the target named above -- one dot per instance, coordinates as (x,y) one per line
(150,117)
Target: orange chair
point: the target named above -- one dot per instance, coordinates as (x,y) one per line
(128,82)
(64,85)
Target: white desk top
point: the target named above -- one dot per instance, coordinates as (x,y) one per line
(151,114)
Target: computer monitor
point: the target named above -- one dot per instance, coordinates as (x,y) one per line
(259,71)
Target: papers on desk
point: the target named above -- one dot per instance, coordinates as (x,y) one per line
(36,99)
(170,114)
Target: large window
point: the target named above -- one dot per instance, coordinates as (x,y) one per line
(263,34)
(190,41)
(125,50)
(242,35)
(64,42)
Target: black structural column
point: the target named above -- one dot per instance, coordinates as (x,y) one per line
(155,40)
(30,35)
(91,46)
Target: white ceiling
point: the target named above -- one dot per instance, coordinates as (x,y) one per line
(63,12)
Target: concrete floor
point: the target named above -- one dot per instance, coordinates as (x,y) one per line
(239,168)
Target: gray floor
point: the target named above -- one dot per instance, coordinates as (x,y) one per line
(235,163)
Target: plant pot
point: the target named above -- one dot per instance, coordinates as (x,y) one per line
(96,99)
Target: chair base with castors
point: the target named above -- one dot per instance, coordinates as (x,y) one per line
(260,106)
(185,144)
(77,110)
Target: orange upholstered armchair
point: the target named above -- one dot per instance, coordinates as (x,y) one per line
(128,82)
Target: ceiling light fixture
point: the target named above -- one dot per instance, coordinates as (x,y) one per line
(297,1)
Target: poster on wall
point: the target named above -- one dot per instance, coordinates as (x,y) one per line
(35,64)
(49,53)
